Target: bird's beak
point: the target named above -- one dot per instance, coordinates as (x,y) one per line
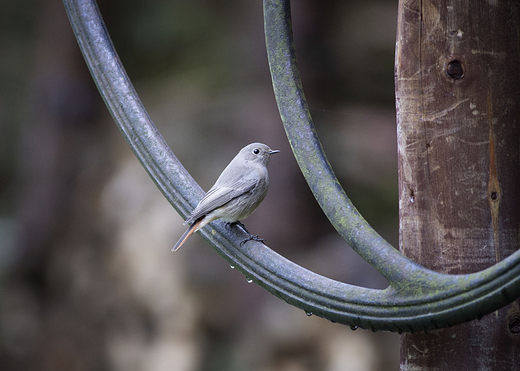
(273,151)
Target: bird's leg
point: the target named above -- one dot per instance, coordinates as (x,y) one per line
(251,237)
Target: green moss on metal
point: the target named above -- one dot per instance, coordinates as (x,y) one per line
(416,300)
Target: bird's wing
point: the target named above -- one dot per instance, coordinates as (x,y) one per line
(219,195)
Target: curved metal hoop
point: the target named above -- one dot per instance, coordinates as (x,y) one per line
(416,300)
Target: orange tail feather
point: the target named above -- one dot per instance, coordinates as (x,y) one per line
(192,229)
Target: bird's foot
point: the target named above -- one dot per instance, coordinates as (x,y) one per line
(251,237)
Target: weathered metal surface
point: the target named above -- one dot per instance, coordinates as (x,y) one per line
(458,101)
(418,299)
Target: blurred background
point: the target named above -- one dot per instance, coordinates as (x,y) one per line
(87,279)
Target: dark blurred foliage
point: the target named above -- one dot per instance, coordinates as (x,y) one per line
(87,279)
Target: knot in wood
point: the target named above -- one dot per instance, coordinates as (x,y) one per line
(514,325)
(454,69)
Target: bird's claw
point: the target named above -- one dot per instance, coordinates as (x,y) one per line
(252,238)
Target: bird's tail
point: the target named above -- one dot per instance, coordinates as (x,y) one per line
(192,229)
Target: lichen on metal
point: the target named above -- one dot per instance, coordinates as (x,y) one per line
(416,300)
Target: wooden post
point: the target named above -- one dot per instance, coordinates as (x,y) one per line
(458,112)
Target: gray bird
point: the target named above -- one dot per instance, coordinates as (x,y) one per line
(238,191)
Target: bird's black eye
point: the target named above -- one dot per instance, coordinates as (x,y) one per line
(256,151)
